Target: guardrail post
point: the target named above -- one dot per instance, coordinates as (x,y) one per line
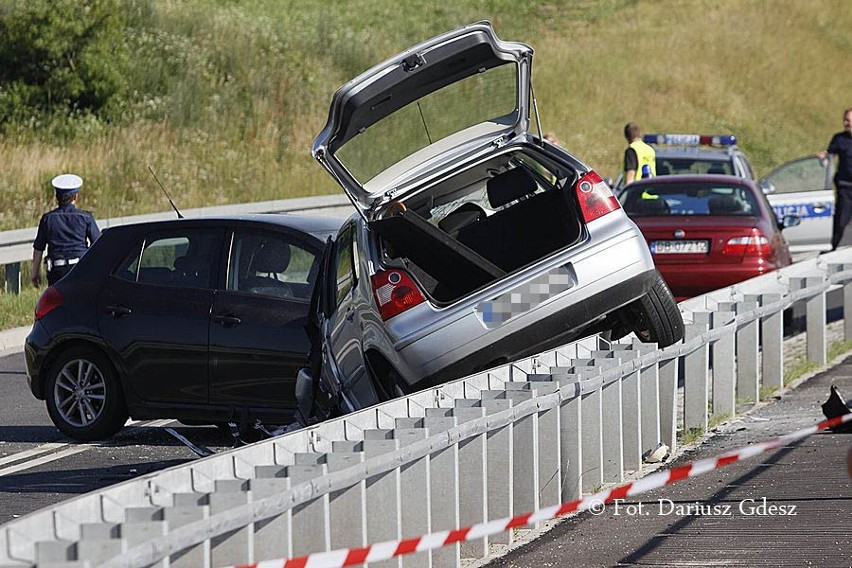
(230,548)
(847,300)
(568,431)
(815,321)
(472,479)
(748,383)
(815,318)
(383,510)
(549,458)
(309,521)
(13,278)
(413,477)
(444,490)
(272,538)
(592,443)
(649,400)
(500,456)
(668,378)
(631,410)
(695,382)
(346,507)
(724,369)
(187,508)
(772,344)
(526,455)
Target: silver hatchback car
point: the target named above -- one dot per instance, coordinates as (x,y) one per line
(475,242)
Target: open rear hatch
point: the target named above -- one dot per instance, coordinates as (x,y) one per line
(420,111)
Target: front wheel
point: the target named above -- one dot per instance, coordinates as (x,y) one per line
(84,396)
(656,317)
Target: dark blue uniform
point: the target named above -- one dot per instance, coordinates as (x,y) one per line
(841,146)
(67,232)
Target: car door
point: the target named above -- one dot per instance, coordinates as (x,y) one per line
(154,311)
(343,357)
(802,187)
(258,340)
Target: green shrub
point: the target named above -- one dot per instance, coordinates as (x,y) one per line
(61,56)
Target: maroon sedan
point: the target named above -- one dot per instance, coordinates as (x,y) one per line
(707,231)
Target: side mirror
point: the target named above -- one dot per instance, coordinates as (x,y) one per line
(790,221)
(766,187)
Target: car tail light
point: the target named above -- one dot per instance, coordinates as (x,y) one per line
(595,197)
(752,245)
(49,301)
(395,292)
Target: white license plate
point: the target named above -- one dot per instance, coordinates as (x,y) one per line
(680,247)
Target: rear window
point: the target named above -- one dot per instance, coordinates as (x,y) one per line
(490,96)
(669,166)
(689,199)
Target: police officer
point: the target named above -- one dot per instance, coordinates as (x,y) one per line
(640,160)
(66,231)
(841,146)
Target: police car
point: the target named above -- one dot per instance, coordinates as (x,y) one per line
(801,187)
(699,154)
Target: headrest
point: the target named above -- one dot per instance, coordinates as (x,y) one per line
(509,186)
(273,257)
(724,205)
(717,169)
(464,215)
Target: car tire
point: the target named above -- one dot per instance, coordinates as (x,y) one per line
(84,397)
(657,318)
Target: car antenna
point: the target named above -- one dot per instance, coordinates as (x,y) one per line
(172,203)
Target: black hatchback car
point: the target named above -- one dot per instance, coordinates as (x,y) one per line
(202,320)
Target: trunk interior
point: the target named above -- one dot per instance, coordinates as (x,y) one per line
(493,226)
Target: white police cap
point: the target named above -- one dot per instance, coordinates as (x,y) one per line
(67,183)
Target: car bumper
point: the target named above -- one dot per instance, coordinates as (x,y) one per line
(606,278)
(35,350)
(690,281)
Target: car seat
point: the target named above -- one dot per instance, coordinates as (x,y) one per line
(271,259)
(460,217)
(650,207)
(725,205)
(193,268)
(717,169)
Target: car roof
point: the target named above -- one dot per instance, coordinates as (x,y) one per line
(315,225)
(692,178)
(698,153)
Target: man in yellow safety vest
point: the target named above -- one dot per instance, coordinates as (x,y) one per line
(639,158)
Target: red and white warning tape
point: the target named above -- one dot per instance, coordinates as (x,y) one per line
(394,548)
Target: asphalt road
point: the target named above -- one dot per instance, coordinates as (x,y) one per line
(40,467)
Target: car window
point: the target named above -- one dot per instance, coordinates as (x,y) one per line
(692,199)
(804,174)
(343,264)
(270,264)
(184,259)
(490,95)
(667,166)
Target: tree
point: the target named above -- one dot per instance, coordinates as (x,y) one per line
(61,56)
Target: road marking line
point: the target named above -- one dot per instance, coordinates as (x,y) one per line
(33,452)
(43,460)
(53,446)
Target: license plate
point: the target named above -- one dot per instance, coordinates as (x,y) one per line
(680,247)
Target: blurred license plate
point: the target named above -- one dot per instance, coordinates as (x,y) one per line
(679,247)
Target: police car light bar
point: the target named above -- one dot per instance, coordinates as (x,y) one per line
(690,139)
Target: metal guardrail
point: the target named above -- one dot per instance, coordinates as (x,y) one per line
(17,246)
(531,434)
